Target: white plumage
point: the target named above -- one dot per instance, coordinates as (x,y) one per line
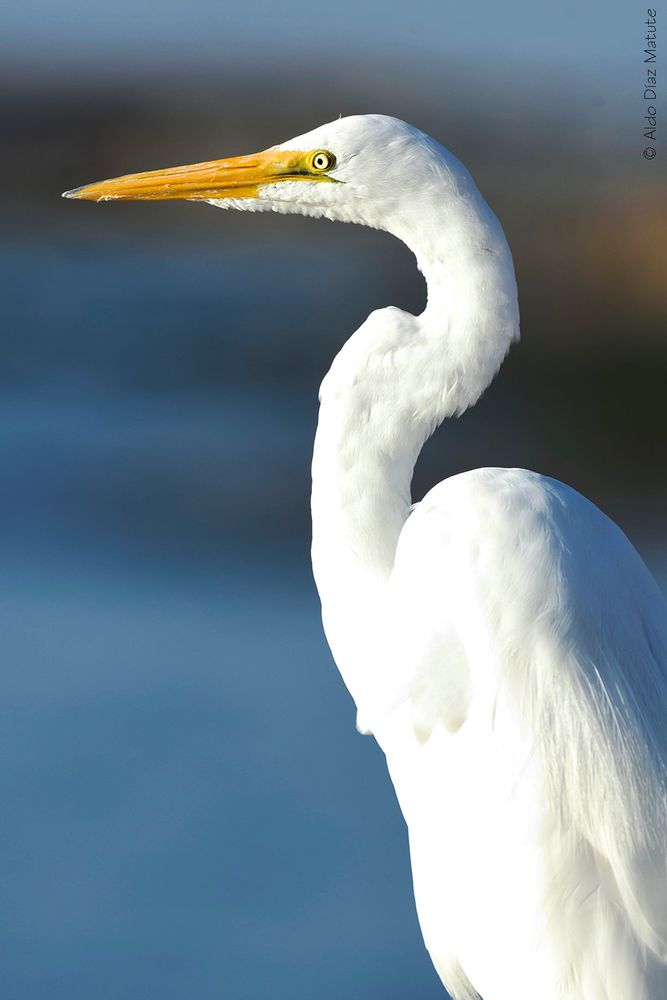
(502,639)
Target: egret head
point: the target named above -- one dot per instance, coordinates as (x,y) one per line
(364,168)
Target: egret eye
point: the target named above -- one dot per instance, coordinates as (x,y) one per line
(322,160)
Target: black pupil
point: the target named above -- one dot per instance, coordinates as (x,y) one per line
(321,160)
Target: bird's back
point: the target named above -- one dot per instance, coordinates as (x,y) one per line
(526,739)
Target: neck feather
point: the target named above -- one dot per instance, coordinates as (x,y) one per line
(390,386)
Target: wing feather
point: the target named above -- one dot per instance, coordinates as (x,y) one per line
(521,604)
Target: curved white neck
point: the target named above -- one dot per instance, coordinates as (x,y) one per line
(389,387)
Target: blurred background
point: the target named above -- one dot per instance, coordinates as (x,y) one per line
(188,811)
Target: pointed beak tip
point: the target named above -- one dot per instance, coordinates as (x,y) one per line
(87,192)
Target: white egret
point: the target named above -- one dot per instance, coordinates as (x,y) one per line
(502,638)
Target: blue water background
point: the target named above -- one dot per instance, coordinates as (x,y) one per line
(188,810)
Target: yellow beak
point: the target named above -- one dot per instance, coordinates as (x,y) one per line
(237,177)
